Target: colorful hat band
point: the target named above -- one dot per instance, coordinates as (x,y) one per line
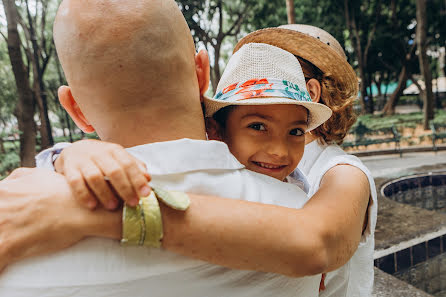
(261,88)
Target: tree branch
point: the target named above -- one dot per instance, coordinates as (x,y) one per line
(372,32)
(415,82)
(387,65)
(220,35)
(237,25)
(4,37)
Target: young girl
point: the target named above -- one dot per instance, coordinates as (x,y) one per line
(330,81)
(262,110)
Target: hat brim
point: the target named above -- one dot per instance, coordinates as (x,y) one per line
(305,46)
(318,113)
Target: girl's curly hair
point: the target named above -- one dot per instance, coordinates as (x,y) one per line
(337,98)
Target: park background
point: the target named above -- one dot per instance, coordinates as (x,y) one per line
(397,48)
(392,45)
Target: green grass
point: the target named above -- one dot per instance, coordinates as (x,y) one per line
(410,120)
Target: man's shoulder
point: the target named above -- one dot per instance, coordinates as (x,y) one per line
(185,155)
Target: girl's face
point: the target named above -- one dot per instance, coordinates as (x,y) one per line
(267,139)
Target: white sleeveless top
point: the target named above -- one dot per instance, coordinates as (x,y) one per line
(355,278)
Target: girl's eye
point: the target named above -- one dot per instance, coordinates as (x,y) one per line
(297,132)
(257,126)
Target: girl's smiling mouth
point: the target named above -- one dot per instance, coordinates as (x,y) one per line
(269,167)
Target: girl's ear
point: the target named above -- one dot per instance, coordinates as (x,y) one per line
(213,129)
(68,102)
(314,88)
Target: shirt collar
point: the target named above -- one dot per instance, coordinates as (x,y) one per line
(185,155)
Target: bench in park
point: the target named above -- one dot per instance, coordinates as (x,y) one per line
(363,136)
(438,133)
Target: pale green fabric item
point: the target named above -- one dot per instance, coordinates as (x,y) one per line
(174,199)
(131,225)
(153,222)
(143,225)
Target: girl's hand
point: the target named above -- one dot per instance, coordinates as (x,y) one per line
(99,171)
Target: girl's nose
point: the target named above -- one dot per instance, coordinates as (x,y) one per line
(278,148)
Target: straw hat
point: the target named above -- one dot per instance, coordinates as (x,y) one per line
(312,44)
(260,74)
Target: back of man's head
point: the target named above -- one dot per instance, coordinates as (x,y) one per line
(127,61)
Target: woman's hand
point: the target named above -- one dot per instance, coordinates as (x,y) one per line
(97,170)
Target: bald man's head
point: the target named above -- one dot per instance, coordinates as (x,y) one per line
(126,55)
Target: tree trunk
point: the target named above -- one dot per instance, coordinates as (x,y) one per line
(354,38)
(389,108)
(216,74)
(378,83)
(2,146)
(290,12)
(62,82)
(355,34)
(46,137)
(442,62)
(25,105)
(371,106)
(39,86)
(363,85)
(428,99)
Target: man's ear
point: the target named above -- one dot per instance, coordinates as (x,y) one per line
(202,69)
(314,88)
(213,130)
(66,99)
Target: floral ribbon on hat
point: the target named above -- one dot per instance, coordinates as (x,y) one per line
(262,88)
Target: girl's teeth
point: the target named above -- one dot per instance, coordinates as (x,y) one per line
(268,166)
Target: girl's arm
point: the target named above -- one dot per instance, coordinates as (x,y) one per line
(341,204)
(295,242)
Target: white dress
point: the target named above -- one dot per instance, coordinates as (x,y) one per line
(355,278)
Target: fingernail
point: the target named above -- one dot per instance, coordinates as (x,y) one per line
(134,202)
(91,204)
(112,204)
(145,191)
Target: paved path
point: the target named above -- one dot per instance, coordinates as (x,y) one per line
(391,165)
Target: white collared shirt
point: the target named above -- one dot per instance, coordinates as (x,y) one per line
(355,278)
(101,267)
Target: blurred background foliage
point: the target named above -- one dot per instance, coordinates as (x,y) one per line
(381,39)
